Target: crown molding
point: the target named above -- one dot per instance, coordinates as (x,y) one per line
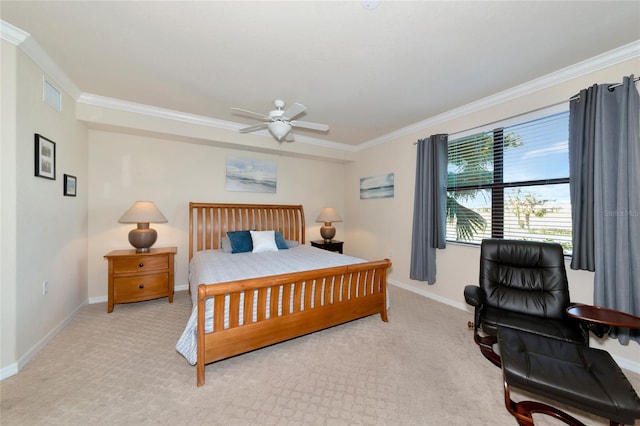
(13,35)
(33,50)
(604,60)
(167,114)
(199,120)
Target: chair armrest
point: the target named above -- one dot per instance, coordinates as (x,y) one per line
(473,295)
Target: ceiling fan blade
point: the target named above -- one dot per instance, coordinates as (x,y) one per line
(251,114)
(293,111)
(307,125)
(254,128)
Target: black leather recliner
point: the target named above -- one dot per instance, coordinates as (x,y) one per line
(523,285)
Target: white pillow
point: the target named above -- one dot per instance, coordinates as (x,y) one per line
(263,241)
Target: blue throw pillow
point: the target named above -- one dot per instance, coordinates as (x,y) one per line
(280,242)
(240,241)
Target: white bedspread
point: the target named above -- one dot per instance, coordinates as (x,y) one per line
(215,266)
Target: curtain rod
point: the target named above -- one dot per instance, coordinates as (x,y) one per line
(611,87)
(505,119)
(442,136)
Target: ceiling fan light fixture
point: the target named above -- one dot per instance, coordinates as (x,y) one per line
(279,129)
(280,121)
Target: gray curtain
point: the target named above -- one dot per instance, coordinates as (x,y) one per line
(429,207)
(604,156)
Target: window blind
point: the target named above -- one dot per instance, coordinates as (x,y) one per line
(511,182)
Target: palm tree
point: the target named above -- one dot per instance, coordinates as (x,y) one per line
(525,205)
(471,163)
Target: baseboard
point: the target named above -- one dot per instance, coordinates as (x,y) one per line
(435,297)
(14,368)
(627,364)
(99,299)
(8,371)
(624,363)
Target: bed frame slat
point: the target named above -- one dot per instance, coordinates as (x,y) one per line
(248,307)
(286,298)
(234,310)
(218,313)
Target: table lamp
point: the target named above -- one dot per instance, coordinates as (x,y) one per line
(143,213)
(328,215)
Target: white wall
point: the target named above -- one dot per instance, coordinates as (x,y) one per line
(124,168)
(383,226)
(50,229)
(8,92)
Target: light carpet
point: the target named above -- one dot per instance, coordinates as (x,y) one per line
(420,368)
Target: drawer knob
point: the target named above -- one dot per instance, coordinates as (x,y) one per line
(141,286)
(140,265)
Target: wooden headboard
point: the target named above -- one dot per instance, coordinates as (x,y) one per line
(209,222)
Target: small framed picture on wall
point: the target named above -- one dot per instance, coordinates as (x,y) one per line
(70,185)
(45,157)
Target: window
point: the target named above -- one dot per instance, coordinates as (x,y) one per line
(511,182)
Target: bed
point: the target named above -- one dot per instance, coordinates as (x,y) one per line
(247,306)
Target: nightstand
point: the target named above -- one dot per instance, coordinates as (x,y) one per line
(333,245)
(134,277)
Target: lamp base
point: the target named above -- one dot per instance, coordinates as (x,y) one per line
(142,237)
(328,232)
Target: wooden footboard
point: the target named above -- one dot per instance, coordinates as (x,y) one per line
(272,309)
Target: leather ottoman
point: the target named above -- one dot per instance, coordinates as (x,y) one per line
(577,375)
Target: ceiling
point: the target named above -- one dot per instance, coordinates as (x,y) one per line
(366,72)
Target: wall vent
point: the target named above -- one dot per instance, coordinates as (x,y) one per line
(51,95)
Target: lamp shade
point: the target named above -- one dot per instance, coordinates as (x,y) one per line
(329,214)
(143,212)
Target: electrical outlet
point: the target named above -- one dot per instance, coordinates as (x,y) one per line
(45,287)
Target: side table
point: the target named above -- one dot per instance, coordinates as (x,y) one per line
(603,316)
(333,245)
(134,277)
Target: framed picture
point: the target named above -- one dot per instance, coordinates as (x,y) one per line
(377,186)
(70,184)
(45,156)
(248,175)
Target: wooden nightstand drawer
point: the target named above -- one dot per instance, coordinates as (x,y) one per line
(143,287)
(139,264)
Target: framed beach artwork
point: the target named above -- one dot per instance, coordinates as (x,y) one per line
(45,157)
(248,175)
(381,186)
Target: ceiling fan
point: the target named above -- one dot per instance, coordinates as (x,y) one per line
(280,121)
